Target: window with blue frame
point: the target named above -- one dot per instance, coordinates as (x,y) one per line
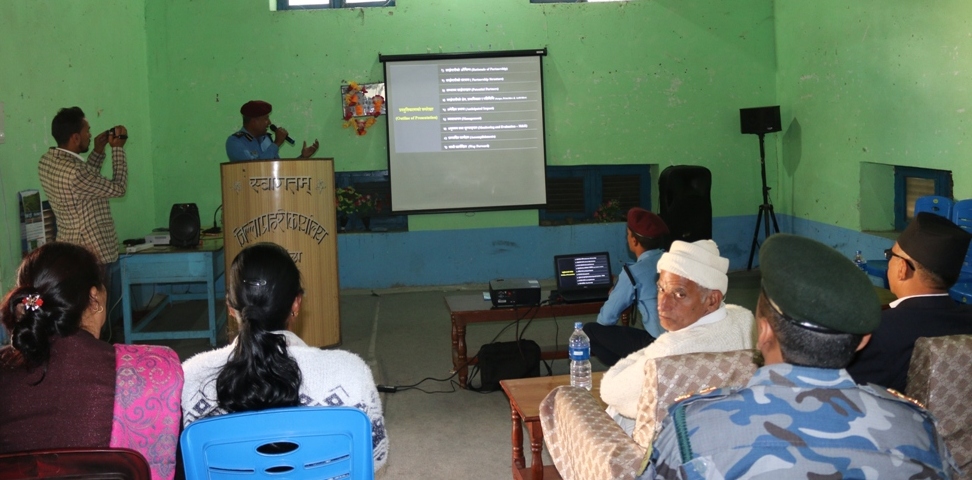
(576,193)
(315,4)
(376,187)
(911,183)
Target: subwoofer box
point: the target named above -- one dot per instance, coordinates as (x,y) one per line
(184,225)
(685,204)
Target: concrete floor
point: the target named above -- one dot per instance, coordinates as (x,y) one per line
(438,432)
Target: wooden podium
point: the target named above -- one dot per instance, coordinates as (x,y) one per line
(290,203)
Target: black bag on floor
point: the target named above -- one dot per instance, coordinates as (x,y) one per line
(505,360)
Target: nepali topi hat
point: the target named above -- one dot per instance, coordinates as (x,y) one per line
(937,244)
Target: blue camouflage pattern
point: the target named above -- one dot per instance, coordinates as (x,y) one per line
(799,422)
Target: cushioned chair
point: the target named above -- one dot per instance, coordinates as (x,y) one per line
(75,463)
(585,443)
(294,442)
(939,378)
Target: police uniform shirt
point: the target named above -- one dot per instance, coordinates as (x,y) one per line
(798,422)
(243,146)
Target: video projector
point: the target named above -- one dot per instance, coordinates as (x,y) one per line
(513,292)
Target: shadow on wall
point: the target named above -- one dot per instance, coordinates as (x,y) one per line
(792,152)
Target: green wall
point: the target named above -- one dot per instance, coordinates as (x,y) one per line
(60,53)
(641,82)
(656,82)
(879,82)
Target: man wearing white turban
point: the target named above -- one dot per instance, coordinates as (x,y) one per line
(692,283)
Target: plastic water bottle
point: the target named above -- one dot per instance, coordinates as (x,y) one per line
(580,358)
(859,261)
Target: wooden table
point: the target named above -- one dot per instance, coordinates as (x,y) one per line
(471,308)
(525,395)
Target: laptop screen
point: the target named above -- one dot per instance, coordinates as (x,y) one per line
(583,271)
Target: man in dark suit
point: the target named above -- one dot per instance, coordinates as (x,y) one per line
(922,265)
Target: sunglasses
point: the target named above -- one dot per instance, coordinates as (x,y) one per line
(890,253)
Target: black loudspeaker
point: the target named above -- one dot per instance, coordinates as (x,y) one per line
(184,225)
(683,192)
(760,120)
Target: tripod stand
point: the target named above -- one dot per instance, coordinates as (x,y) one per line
(766,209)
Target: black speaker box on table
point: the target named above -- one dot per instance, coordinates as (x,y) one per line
(184,225)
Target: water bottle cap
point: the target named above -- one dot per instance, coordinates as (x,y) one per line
(578,325)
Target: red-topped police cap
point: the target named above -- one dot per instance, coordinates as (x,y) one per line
(255,108)
(645,223)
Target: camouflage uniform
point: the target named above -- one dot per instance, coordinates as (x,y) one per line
(798,422)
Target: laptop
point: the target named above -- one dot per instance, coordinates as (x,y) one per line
(584,277)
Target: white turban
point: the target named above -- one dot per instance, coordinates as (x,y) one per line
(699,262)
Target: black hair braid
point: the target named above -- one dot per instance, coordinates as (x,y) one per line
(259,373)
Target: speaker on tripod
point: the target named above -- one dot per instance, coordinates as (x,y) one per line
(760,121)
(184,225)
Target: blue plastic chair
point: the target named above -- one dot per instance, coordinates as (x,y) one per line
(293,442)
(962,216)
(941,206)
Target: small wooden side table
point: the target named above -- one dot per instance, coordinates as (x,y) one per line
(525,395)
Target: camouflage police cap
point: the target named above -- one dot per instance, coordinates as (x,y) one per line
(816,287)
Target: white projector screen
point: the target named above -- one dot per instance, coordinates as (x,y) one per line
(465,131)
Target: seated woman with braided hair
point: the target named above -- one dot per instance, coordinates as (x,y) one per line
(267,365)
(61,387)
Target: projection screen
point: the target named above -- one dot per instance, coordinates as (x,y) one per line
(465,131)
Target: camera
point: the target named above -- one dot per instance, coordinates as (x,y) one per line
(111,133)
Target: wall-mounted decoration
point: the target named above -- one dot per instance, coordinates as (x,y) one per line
(362,100)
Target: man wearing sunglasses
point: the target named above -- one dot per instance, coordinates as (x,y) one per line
(922,265)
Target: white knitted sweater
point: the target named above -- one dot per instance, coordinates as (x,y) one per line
(329,378)
(731,327)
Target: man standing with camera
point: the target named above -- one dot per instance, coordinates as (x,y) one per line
(76,189)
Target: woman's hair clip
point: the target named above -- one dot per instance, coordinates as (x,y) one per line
(33,302)
(255,283)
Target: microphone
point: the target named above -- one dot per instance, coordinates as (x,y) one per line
(289,140)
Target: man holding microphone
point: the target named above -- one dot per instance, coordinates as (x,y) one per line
(252,142)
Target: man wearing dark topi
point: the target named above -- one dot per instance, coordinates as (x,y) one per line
(922,265)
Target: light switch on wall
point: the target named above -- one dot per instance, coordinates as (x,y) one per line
(3,133)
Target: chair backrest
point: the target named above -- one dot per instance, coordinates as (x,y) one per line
(293,442)
(75,463)
(668,378)
(938,377)
(941,206)
(962,216)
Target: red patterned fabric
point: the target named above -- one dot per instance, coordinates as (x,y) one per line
(147,414)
